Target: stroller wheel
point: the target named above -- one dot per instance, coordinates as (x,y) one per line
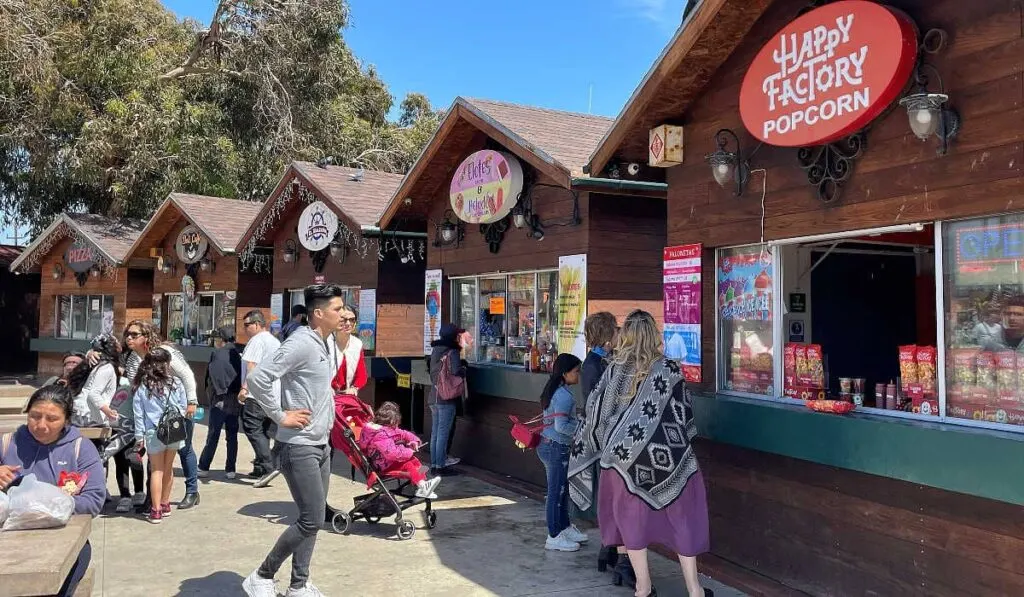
(431,518)
(406,529)
(341,523)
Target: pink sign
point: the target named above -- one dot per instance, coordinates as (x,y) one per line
(682,283)
(486,186)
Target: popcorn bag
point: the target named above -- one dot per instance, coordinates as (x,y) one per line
(908,365)
(1006,375)
(815,366)
(986,363)
(927,359)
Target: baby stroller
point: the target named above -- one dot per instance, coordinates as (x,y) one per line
(389,495)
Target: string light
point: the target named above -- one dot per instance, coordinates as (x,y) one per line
(249,260)
(61,232)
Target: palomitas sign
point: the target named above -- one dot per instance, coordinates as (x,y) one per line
(828,73)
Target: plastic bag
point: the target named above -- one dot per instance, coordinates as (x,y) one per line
(5,505)
(38,505)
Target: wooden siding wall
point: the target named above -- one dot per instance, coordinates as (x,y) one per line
(400,306)
(830,531)
(49,289)
(624,260)
(139,299)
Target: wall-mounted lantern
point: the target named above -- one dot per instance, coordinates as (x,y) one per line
(728,167)
(290,253)
(928,112)
(208,265)
(449,232)
(58,271)
(168,266)
(94,271)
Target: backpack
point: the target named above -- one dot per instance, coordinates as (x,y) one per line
(171,427)
(449,386)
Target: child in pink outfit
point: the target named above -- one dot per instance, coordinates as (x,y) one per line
(393,450)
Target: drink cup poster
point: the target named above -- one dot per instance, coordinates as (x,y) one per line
(682,283)
(745,286)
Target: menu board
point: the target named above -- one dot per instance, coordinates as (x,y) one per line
(572,304)
(682,284)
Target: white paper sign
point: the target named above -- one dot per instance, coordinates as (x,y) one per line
(432,308)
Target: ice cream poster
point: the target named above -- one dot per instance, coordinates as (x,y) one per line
(681,268)
(572,304)
(745,286)
(368,318)
(486,186)
(432,308)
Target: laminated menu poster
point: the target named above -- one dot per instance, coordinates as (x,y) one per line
(368,318)
(572,304)
(681,279)
(431,308)
(745,287)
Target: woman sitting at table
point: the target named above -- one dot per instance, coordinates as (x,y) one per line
(47,446)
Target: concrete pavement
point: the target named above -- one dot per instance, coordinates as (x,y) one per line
(488,541)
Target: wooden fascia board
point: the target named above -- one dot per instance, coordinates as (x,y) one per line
(34,245)
(327,201)
(289,173)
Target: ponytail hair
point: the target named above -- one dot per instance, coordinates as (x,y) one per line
(565,363)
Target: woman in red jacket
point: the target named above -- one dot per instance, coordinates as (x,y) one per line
(347,353)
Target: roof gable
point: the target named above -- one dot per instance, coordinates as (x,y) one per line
(112,237)
(221,220)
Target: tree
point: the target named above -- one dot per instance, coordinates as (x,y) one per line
(108,105)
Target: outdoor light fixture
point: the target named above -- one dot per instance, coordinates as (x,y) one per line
(169,267)
(290,254)
(450,231)
(95,271)
(927,111)
(536,228)
(727,166)
(58,271)
(208,265)
(519,216)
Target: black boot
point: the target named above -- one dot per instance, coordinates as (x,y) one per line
(624,575)
(191,499)
(608,556)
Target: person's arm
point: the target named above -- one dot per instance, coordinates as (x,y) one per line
(406,437)
(179,398)
(290,356)
(393,452)
(98,385)
(360,378)
(181,370)
(564,405)
(91,498)
(139,411)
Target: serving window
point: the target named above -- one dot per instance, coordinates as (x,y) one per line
(82,317)
(212,310)
(513,317)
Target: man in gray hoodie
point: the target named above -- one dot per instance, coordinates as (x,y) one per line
(304,415)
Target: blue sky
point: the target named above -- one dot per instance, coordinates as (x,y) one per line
(545,53)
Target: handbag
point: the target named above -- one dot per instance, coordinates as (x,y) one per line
(527,434)
(171,427)
(449,387)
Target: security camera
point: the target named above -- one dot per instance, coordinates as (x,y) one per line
(633,169)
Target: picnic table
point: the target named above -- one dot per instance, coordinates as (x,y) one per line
(37,562)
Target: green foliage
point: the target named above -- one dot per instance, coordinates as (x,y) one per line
(108,105)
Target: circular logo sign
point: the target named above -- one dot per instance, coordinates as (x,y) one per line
(828,74)
(317,226)
(191,245)
(486,186)
(79,257)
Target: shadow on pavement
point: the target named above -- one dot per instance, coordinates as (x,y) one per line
(276,512)
(222,584)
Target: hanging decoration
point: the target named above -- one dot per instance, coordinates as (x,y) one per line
(354,242)
(61,232)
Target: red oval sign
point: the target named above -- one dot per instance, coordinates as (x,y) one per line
(828,74)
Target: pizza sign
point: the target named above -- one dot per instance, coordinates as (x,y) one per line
(79,257)
(828,73)
(486,186)
(191,245)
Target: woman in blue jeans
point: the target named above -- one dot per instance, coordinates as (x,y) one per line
(560,423)
(450,344)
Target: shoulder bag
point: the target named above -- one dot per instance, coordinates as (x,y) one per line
(449,386)
(527,434)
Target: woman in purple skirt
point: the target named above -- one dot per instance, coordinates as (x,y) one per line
(638,428)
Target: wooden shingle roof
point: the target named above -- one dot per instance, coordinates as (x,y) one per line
(361,200)
(112,237)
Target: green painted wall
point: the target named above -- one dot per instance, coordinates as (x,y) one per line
(974,461)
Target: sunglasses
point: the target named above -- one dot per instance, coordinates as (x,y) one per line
(132,335)
(348,320)
(248,323)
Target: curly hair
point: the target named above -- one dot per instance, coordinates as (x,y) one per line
(149,332)
(599,329)
(155,372)
(388,415)
(108,350)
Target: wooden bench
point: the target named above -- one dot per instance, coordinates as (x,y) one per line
(37,562)
(15,404)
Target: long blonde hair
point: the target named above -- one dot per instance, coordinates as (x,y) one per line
(639,347)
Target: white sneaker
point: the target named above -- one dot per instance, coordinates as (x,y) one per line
(426,487)
(574,534)
(138,499)
(561,543)
(202,474)
(452,461)
(231,474)
(309,590)
(124,506)
(266,479)
(255,585)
